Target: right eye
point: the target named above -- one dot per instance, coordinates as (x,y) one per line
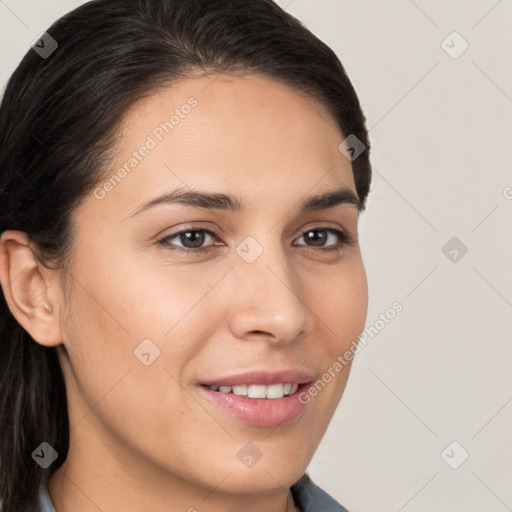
(195,238)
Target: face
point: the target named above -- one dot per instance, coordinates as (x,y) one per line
(169,297)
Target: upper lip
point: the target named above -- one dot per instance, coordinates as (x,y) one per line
(262,377)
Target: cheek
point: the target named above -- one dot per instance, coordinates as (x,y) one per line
(138,300)
(342,306)
(112,311)
(120,313)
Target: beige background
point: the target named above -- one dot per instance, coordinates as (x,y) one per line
(440,130)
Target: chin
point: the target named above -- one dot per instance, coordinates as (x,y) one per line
(264,477)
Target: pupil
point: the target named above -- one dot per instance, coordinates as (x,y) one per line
(196,237)
(315,238)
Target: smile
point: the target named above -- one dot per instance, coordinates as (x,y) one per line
(273,391)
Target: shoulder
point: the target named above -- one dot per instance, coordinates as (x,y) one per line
(310,498)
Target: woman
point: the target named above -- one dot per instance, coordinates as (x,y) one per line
(181,183)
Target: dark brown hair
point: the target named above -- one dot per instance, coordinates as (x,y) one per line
(58,121)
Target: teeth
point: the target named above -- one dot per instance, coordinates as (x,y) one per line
(256,391)
(240,390)
(275,391)
(259,390)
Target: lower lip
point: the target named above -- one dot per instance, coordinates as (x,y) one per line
(261,412)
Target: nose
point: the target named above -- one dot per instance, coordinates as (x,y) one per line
(268,301)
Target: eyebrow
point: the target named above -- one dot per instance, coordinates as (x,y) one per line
(227,202)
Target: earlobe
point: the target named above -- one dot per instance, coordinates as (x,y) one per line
(28,289)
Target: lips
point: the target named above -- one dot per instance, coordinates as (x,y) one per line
(259,412)
(259,398)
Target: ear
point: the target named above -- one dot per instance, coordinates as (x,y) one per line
(30,289)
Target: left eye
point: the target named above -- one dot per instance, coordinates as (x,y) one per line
(192,240)
(312,236)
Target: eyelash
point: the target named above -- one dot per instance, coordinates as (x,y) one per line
(345,238)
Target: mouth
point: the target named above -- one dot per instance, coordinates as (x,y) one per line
(259,398)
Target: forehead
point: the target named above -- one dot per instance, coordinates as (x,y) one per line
(249,135)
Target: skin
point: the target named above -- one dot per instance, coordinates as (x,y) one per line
(143,437)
